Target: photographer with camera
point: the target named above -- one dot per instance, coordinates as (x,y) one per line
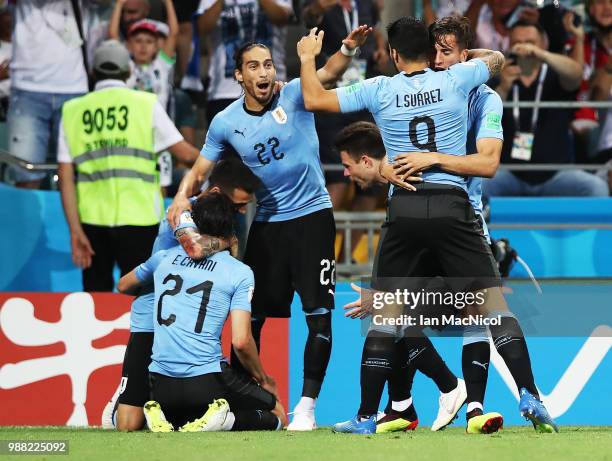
(532,73)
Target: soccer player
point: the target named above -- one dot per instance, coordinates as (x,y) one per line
(189,379)
(451,37)
(124,410)
(423,111)
(290,246)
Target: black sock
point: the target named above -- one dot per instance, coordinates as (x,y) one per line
(256,326)
(316,353)
(402,376)
(376,366)
(475,365)
(425,358)
(255,420)
(510,342)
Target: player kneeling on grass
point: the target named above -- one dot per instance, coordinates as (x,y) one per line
(124,410)
(190,380)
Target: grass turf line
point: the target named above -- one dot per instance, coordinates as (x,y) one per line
(573,443)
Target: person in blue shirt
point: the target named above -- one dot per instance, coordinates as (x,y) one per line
(124,410)
(290,246)
(190,380)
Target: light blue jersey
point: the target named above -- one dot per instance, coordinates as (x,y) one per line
(485,111)
(281,147)
(424,111)
(141,315)
(192,302)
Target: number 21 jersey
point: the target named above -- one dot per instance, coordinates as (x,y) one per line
(192,302)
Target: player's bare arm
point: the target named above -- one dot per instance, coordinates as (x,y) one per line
(335,66)
(129,284)
(316,98)
(189,186)
(494,60)
(483,163)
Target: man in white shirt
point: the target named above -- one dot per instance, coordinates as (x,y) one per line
(47,69)
(228,24)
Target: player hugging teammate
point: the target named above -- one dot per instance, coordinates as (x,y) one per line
(434,227)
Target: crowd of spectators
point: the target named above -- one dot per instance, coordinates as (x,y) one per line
(555,51)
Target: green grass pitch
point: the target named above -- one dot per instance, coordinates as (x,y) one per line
(513,443)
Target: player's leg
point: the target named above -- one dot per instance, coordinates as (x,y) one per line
(459,240)
(379,348)
(135,383)
(475,359)
(313,269)
(400,413)
(184,403)
(253,407)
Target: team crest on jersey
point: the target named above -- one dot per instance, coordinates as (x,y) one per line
(280,115)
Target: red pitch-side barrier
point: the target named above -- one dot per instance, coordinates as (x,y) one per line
(61,355)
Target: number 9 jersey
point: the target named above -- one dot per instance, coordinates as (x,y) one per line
(192,302)
(425,111)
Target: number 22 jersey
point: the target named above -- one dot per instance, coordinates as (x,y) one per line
(280,145)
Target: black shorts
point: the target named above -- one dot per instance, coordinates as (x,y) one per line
(436,222)
(185,399)
(135,373)
(294,255)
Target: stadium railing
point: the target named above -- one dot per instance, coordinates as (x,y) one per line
(369,222)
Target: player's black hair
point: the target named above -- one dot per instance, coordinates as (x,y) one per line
(214,215)
(410,37)
(239,53)
(230,174)
(360,138)
(458,26)
(535,25)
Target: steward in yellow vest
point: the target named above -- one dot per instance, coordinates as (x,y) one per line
(109,179)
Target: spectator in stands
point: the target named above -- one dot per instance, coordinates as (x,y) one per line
(47,69)
(5,57)
(229,24)
(152,64)
(492,19)
(337,18)
(108,140)
(185,10)
(539,135)
(132,11)
(592,51)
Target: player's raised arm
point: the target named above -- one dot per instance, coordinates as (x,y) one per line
(315,96)
(189,186)
(335,66)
